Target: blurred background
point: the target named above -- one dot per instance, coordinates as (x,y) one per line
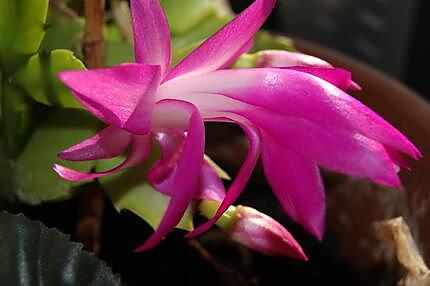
(388,34)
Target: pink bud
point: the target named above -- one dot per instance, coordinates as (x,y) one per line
(278,58)
(262,233)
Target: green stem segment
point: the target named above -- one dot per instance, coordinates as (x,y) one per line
(208,209)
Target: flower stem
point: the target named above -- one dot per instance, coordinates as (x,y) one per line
(94,47)
(92,201)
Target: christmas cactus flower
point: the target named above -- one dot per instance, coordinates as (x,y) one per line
(296,117)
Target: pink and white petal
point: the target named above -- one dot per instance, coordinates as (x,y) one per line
(292,93)
(297,184)
(122,96)
(151,34)
(108,143)
(184,179)
(241,179)
(336,149)
(336,76)
(140,150)
(224,45)
(279,58)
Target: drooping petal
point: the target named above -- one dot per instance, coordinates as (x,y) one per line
(336,149)
(292,93)
(141,148)
(336,76)
(151,34)
(122,96)
(279,59)
(108,143)
(297,184)
(223,46)
(343,150)
(239,182)
(184,179)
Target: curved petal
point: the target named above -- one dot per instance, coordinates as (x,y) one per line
(223,46)
(336,76)
(141,148)
(297,184)
(292,93)
(171,145)
(108,143)
(122,96)
(239,182)
(151,34)
(279,58)
(184,179)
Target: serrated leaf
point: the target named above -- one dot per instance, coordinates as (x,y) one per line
(186,14)
(21,29)
(33,254)
(35,180)
(39,77)
(130,190)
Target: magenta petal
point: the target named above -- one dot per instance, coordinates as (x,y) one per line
(184,179)
(239,182)
(336,76)
(223,46)
(297,184)
(397,158)
(292,93)
(211,186)
(151,34)
(141,148)
(122,96)
(336,149)
(278,59)
(108,143)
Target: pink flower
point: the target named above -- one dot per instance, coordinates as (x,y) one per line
(298,118)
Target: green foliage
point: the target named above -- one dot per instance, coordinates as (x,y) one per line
(63,32)
(19,116)
(130,190)
(33,254)
(267,41)
(21,29)
(185,15)
(39,77)
(119,53)
(35,181)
